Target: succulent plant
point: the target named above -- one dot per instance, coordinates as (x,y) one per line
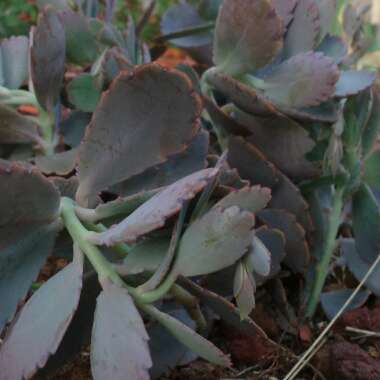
(157,185)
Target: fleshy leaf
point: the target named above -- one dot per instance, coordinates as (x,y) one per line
(304,30)
(283,141)
(287,196)
(250,163)
(285,9)
(372,170)
(181,16)
(253,165)
(248,35)
(359,267)
(73,127)
(110,155)
(327,15)
(258,258)
(252,199)
(352,82)
(153,213)
(119,343)
(244,289)
(83,93)
(215,241)
(297,250)
(166,351)
(14,61)
(366,224)
(189,337)
(327,112)
(305,80)
(48,58)
(333,301)
(333,47)
(15,128)
(146,256)
(225,309)
(274,240)
(242,95)
(176,167)
(41,324)
(59,163)
(28,225)
(82,45)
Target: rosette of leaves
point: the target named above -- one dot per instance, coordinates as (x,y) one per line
(179,220)
(293,70)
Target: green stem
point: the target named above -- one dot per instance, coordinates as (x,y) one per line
(121,248)
(161,291)
(121,206)
(46,124)
(191,305)
(102,266)
(79,234)
(328,248)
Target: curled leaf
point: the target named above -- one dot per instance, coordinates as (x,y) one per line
(244,289)
(153,213)
(258,259)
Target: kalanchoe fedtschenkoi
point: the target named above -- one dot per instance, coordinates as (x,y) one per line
(176,210)
(203,230)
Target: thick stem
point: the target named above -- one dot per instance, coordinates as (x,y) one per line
(327,251)
(79,233)
(191,304)
(102,266)
(46,124)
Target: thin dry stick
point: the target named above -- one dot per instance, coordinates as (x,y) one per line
(312,350)
(363,333)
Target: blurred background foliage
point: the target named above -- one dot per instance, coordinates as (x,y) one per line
(16,17)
